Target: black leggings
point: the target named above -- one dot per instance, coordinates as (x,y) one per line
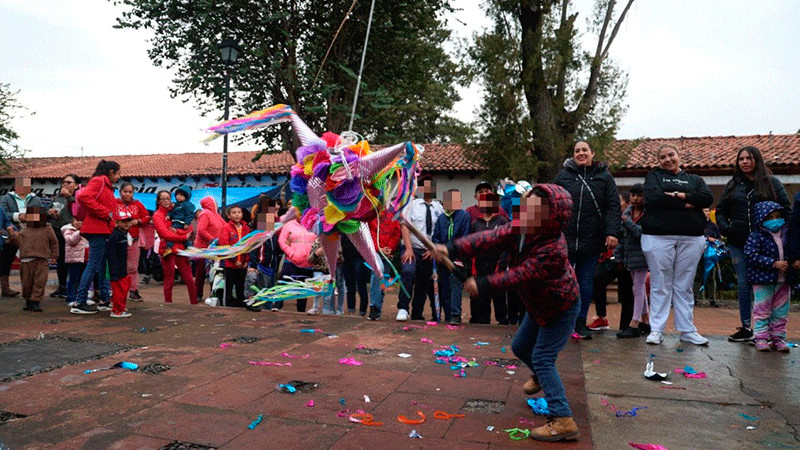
(604,274)
(234,278)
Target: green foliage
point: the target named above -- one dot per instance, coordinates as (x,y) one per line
(8,107)
(407,86)
(542,93)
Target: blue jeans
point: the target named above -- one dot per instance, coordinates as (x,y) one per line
(356,276)
(450,289)
(584,264)
(375,291)
(74,273)
(335,303)
(745,288)
(95,266)
(538,348)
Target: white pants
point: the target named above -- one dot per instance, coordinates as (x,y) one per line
(672,261)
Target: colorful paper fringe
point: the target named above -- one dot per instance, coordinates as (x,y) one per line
(256,119)
(290,290)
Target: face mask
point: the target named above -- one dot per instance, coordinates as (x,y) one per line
(773,225)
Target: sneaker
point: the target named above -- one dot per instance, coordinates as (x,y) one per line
(762,345)
(644,328)
(71,304)
(556,429)
(780,345)
(655,338)
(374,313)
(83,309)
(338,312)
(582,331)
(134,296)
(312,312)
(531,386)
(694,338)
(402,315)
(455,320)
(629,332)
(90,294)
(275,308)
(104,306)
(59,293)
(90,302)
(742,335)
(121,315)
(599,324)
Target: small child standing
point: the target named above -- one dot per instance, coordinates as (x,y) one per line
(117,257)
(37,247)
(766,250)
(235,268)
(76,250)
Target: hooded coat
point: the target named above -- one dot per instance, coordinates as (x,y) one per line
(98,200)
(735,207)
(595,206)
(182,213)
(209,223)
(538,266)
(760,248)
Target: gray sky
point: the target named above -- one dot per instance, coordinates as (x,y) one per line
(704,68)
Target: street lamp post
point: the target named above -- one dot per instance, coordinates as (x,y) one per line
(230,52)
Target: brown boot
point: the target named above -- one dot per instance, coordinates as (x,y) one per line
(6,288)
(531,386)
(556,429)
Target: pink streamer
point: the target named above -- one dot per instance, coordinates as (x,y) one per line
(512,367)
(431,324)
(452,327)
(310,403)
(426,340)
(225,345)
(647,446)
(350,361)
(294,356)
(691,375)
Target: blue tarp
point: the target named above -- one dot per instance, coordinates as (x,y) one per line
(242,196)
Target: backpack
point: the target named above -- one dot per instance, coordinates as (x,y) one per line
(79,211)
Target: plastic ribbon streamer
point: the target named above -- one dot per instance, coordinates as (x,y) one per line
(267,363)
(287,388)
(290,290)
(689,372)
(364,419)
(445,416)
(119,365)
(407,421)
(618,413)
(350,362)
(518,434)
(338,183)
(647,446)
(286,355)
(255,423)
(539,406)
(246,244)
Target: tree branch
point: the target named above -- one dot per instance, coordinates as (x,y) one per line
(616,28)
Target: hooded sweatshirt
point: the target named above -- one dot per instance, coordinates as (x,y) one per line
(209,223)
(182,213)
(666,215)
(538,266)
(761,248)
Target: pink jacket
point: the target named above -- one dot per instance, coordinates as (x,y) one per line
(76,245)
(209,223)
(296,242)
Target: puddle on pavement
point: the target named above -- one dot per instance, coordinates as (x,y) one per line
(365,351)
(178,445)
(6,416)
(153,368)
(304,386)
(246,339)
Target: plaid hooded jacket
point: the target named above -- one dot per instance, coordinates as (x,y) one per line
(538,266)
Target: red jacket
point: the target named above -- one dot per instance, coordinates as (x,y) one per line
(538,266)
(389,231)
(98,199)
(177,237)
(209,223)
(231,235)
(138,211)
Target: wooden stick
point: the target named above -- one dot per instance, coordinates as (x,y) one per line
(426,241)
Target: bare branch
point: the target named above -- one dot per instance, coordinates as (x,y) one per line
(616,28)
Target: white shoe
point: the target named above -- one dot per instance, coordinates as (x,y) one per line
(655,338)
(90,302)
(694,338)
(402,315)
(312,312)
(121,315)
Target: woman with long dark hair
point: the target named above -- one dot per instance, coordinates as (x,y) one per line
(97,200)
(169,256)
(752,182)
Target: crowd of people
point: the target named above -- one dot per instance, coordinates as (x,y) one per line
(539,261)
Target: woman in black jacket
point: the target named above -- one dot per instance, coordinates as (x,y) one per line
(672,242)
(595,223)
(752,182)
